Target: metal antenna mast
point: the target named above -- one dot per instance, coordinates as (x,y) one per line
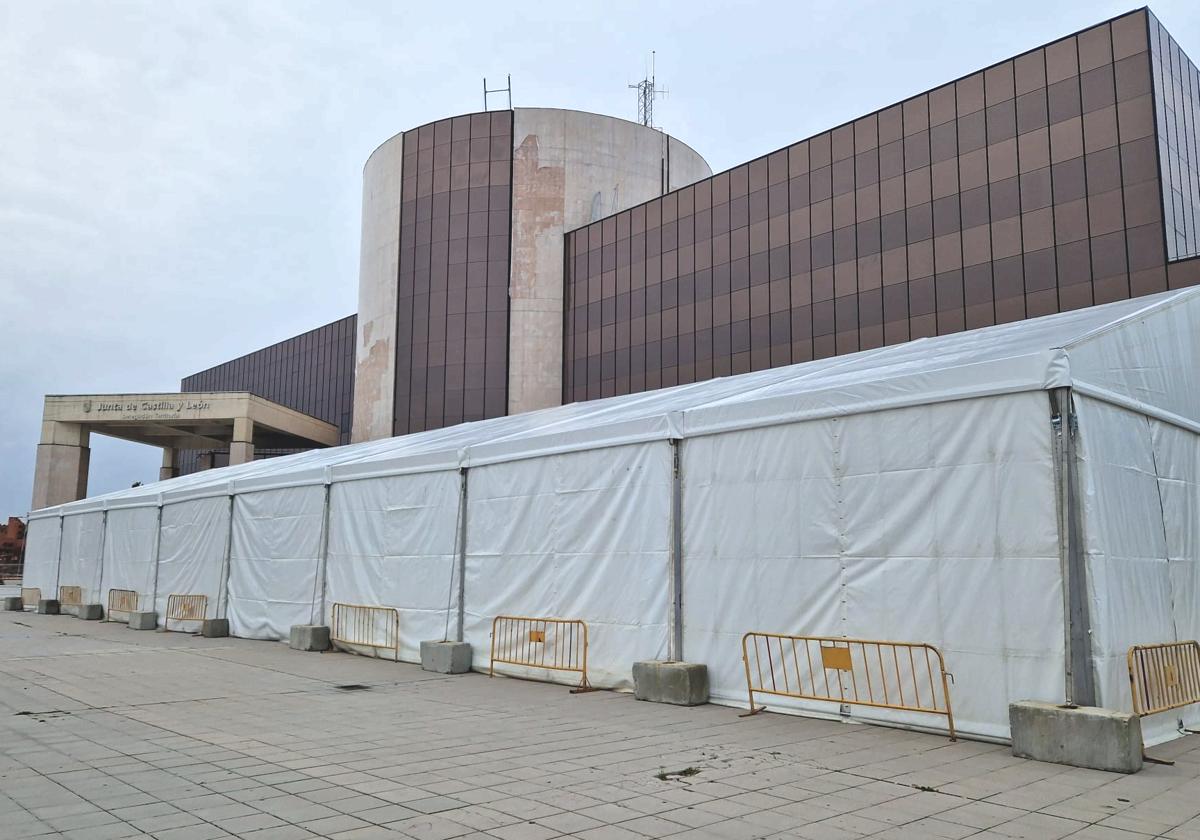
(507,90)
(647,93)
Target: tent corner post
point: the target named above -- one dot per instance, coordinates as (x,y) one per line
(1079,676)
(675,642)
(461,560)
(323,562)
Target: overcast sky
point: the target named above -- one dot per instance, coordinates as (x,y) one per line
(180,182)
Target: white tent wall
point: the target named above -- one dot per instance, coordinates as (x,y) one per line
(392,543)
(274,561)
(584,535)
(191,556)
(929,524)
(41,555)
(1140,539)
(130,542)
(82,545)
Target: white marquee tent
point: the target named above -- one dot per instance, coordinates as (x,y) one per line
(919,492)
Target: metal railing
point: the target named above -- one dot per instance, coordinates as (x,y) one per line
(70,596)
(185,608)
(366,626)
(1164,676)
(30,597)
(555,644)
(905,676)
(121,601)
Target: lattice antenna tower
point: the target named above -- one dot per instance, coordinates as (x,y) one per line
(507,89)
(648,91)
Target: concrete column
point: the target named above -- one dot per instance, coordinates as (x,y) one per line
(61,472)
(241,450)
(169,468)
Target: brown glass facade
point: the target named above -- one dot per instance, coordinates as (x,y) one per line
(312,372)
(1028,188)
(1177,95)
(452,301)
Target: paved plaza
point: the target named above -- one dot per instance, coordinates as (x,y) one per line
(109,733)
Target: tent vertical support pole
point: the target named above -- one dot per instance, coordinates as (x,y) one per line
(462,555)
(323,574)
(58,562)
(157,552)
(223,593)
(1079,678)
(675,651)
(103,537)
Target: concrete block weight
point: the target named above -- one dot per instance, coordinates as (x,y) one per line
(677,683)
(446,657)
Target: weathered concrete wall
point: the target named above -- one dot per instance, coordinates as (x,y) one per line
(375,347)
(570,168)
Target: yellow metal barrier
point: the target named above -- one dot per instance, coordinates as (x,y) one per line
(1164,677)
(30,597)
(555,644)
(121,601)
(365,626)
(185,608)
(70,596)
(906,676)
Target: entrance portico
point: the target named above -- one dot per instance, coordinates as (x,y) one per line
(235,420)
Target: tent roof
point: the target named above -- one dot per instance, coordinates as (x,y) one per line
(1034,354)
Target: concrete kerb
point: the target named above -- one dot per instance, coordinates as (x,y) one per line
(1080,736)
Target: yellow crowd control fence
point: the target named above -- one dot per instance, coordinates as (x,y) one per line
(555,644)
(906,676)
(366,626)
(30,597)
(1164,676)
(185,608)
(122,601)
(70,596)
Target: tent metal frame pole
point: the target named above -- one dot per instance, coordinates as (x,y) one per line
(323,577)
(157,553)
(462,555)
(1079,677)
(675,652)
(223,593)
(58,563)
(103,537)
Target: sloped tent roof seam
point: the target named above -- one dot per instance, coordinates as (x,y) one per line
(1022,356)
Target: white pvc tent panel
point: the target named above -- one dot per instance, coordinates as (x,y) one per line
(392,543)
(191,556)
(41,555)
(274,567)
(583,535)
(824,528)
(130,542)
(906,490)
(81,549)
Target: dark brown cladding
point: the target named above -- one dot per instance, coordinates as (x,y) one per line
(1028,188)
(312,372)
(455,236)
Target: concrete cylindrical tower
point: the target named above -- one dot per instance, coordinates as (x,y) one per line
(461,273)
